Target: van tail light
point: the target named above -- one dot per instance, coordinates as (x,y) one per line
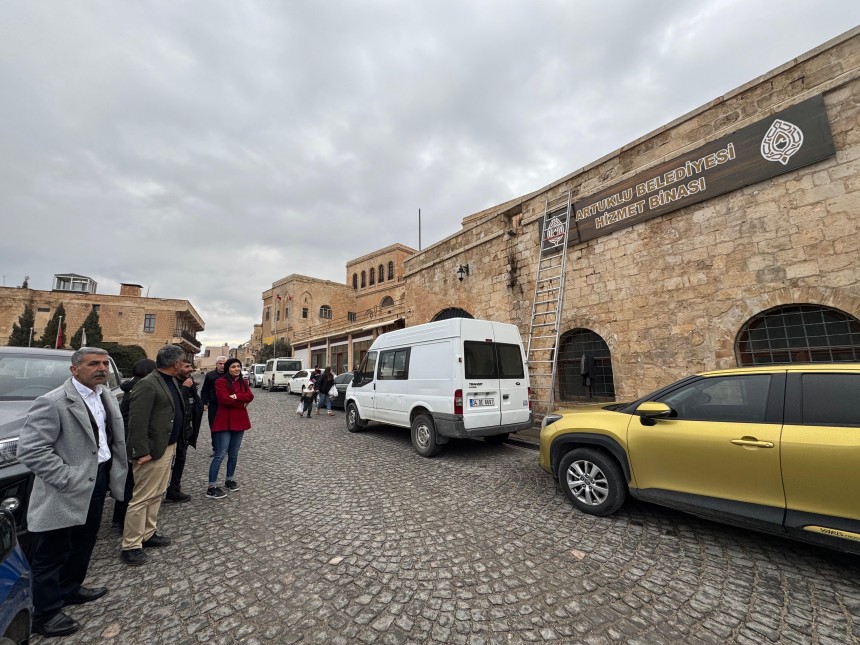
(458,401)
(530,397)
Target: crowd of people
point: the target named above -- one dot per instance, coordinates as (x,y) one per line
(81,445)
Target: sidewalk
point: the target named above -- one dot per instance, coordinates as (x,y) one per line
(529,438)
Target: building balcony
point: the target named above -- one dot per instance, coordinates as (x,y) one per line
(378,316)
(185,339)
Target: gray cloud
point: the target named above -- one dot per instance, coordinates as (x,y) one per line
(206,149)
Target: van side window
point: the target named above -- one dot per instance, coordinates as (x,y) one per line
(831,399)
(394,365)
(480,360)
(365,371)
(510,361)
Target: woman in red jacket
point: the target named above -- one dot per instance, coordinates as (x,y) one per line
(231,421)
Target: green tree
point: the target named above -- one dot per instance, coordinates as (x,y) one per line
(49,336)
(93,329)
(20,336)
(282,348)
(26,283)
(125,356)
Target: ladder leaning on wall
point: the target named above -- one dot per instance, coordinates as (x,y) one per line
(547,305)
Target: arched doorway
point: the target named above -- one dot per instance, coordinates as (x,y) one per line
(798,334)
(452,312)
(584,367)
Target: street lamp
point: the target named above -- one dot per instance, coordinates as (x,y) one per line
(462,271)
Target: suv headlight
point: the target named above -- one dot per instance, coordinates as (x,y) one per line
(549,420)
(8,450)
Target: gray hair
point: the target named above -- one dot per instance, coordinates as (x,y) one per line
(78,356)
(169,355)
(221,358)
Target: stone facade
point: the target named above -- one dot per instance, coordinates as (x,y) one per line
(662,298)
(328,323)
(669,295)
(128,318)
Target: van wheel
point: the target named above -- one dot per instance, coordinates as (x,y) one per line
(497,438)
(289,389)
(353,418)
(263,385)
(424,438)
(592,481)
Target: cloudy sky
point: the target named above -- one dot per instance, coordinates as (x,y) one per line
(205,149)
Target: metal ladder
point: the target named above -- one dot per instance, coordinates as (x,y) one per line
(548,301)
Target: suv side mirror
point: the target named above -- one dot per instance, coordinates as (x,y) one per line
(651,410)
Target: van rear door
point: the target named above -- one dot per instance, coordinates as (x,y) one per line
(513,383)
(481,395)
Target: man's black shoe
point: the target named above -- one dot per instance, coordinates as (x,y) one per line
(133,557)
(156,541)
(85,594)
(177,496)
(58,625)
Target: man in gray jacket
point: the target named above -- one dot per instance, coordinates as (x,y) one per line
(74,442)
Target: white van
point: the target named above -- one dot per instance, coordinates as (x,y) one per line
(257,370)
(280,370)
(453,378)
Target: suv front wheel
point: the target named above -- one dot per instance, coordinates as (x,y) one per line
(592,481)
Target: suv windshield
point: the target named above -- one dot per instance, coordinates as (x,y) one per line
(25,377)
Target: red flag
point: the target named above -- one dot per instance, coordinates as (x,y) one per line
(278,296)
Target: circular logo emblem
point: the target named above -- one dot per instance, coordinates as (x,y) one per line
(554,233)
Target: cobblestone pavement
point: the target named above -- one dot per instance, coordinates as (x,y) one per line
(342,538)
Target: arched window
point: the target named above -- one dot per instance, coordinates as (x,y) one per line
(355,281)
(325,312)
(391,270)
(381,273)
(363,279)
(387,301)
(584,367)
(372,276)
(798,334)
(452,312)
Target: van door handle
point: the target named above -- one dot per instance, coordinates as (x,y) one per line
(506,396)
(752,442)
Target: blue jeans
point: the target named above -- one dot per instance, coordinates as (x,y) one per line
(324,398)
(226,443)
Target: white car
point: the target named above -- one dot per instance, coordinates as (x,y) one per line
(298,381)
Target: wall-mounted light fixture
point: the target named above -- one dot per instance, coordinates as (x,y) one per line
(462,271)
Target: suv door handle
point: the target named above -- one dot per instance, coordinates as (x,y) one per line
(752,442)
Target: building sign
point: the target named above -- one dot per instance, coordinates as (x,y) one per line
(796,137)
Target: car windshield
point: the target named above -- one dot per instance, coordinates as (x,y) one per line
(25,377)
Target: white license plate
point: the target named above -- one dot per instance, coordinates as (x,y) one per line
(481,403)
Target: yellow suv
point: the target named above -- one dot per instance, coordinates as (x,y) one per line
(773,448)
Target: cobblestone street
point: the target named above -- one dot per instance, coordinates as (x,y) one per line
(342,538)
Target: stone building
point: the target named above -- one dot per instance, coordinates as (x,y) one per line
(730,236)
(332,323)
(128,318)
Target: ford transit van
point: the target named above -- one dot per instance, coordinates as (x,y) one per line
(452,378)
(279,371)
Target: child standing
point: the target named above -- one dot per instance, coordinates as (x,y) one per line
(308,394)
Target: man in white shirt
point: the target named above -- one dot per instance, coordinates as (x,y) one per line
(74,442)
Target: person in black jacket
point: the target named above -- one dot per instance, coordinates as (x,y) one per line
(207,393)
(190,430)
(322,385)
(140,369)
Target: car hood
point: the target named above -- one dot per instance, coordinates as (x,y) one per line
(12,415)
(591,407)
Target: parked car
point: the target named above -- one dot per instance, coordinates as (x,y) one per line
(16,585)
(246,374)
(452,378)
(770,448)
(26,374)
(341,382)
(278,371)
(298,381)
(256,374)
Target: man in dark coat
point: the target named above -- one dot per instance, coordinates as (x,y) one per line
(190,430)
(73,441)
(207,392)
(155,422)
